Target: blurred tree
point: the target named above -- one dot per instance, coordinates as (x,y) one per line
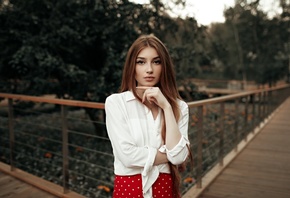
(183,48)
(285,29)
(54,42)
(76,48)
(249,44)
(60,46)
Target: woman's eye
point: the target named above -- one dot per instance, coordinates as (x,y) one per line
(140,62)
(157,62)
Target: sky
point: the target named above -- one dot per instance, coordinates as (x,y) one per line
(208,11)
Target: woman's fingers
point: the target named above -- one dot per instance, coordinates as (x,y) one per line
(143,87)
(153,94)
(151,99)
(149,94)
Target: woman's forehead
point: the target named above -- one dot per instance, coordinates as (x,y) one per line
(148,52)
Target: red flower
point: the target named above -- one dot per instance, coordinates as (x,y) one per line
(47,155)
(105,188)
(189,180)
(79,149)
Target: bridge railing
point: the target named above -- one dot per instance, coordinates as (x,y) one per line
(219,125)
(58,141)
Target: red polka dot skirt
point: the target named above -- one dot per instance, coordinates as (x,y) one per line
(131,186)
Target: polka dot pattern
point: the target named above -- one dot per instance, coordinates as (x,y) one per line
(131,186)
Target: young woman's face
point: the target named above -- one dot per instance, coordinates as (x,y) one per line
(148,67)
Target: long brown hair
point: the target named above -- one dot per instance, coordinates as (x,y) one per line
(167,84)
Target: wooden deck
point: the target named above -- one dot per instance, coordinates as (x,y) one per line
(20,184)
(11,187)
(262,169)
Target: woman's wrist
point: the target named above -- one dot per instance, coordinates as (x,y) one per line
(160,158)
(167,107)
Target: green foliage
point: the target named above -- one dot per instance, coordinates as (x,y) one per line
(71,48)
(189,46)
(251,46)
(76,48)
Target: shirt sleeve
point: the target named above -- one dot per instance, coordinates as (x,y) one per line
(124,147)
(180,152)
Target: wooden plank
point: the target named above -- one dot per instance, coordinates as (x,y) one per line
(257,174)
(13,188)
(271,159)
(249,181)
(235,190)
(39,183)
(280,146)
(251,184)
(277,129)
(34,193)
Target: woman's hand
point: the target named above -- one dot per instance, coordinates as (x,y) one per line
(160,158)
(154,95)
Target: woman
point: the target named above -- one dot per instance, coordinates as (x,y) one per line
(147,124)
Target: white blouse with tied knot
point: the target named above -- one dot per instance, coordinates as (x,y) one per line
(135,137)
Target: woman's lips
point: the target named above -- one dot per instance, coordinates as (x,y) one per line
(149,78)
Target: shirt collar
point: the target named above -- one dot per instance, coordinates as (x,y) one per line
(129,96)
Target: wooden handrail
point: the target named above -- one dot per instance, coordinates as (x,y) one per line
(75,103)
(98,105)
(234,96)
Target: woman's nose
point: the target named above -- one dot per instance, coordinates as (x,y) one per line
(149,69)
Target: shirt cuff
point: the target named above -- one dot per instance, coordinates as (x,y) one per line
(162,149)
(179,153)
(181,144)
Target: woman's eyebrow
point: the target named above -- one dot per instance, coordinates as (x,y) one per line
(157,57)
(146,58)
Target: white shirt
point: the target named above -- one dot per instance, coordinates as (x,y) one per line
(135,137)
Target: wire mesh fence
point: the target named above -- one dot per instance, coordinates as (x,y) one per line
(66,145)
(38,146)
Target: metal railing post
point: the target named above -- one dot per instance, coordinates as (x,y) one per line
(199,146)
(236,123)
(65,162)
(259,107)
(221,145)
(270,104)
(246,128)
(11,133)
(264,104)
(253,123)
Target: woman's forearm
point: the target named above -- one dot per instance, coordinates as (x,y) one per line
(161,158)
(172,131)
